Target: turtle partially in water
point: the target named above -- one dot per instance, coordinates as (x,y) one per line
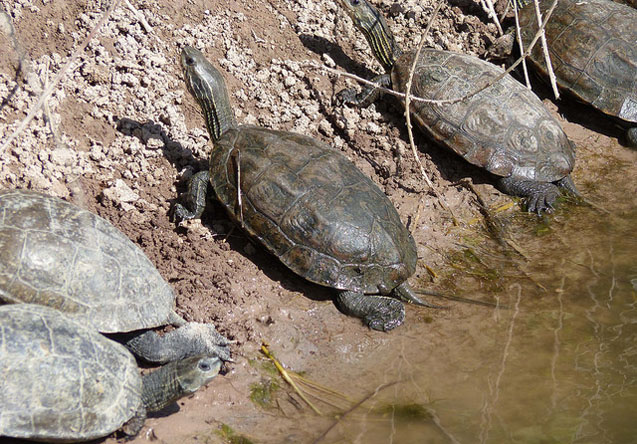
(593,50)
(62,381)
(504,129)
(306,203)
(56,254)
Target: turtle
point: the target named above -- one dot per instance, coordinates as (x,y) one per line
(56,254)
(593,49)
(504,129)
(306,203)
(62,381)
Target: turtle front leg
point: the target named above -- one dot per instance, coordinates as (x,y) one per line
(192,339)
(368,94)
(195,197)
(378,312)
(540,196)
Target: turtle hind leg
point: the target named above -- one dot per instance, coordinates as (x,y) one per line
(132,427)
(195,197)
(192,339)
(539,196)
(377,312)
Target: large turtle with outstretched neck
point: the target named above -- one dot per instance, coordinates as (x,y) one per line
(306,202)
(504,129)
(62,381)
(56,254)
(593,49)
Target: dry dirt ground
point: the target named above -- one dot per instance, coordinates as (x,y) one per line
(120,136)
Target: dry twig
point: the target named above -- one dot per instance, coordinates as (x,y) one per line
(354,407)
(478,90)
(408,115)
(45,95)
(545,48)
(487,6)
(518,35)
(139,16)
(6,26)
(284,375)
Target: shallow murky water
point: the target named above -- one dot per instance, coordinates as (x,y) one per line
(558,366)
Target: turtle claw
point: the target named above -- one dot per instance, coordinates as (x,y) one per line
(345,97)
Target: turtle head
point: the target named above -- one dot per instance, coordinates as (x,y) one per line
(208,87)
(373,25)
(195,372)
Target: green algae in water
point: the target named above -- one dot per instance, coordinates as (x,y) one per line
(230,436)
(264,365)
(262,393)
(406,412)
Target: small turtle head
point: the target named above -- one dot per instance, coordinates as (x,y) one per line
(208,87)
(373,25)
(196,371)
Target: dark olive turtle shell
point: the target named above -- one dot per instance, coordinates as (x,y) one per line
(313,209)
(504,129)
(61,380)
(593,49)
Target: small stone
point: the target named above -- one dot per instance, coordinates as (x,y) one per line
(121,194)
(62,156)
(396,9)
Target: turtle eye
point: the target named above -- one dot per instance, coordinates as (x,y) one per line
(204,366)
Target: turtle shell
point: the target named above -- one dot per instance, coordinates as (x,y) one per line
(62,381)
(56,254)
(504,128)
(593,49)
(313,209)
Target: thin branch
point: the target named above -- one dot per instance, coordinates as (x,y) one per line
(487,5)
(545,48)
(518,35)
(354,407)
(45,95)
(408,115)
(284,375)
(6,26)
(139,16)
(441,101)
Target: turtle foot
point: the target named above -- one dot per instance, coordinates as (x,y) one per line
(346,97)
(192,339)
(367,96)
(195,197)
(377,312)
(540,196)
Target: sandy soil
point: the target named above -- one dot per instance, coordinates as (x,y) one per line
(120,136)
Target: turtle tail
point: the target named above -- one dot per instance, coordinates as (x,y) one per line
(405,293)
